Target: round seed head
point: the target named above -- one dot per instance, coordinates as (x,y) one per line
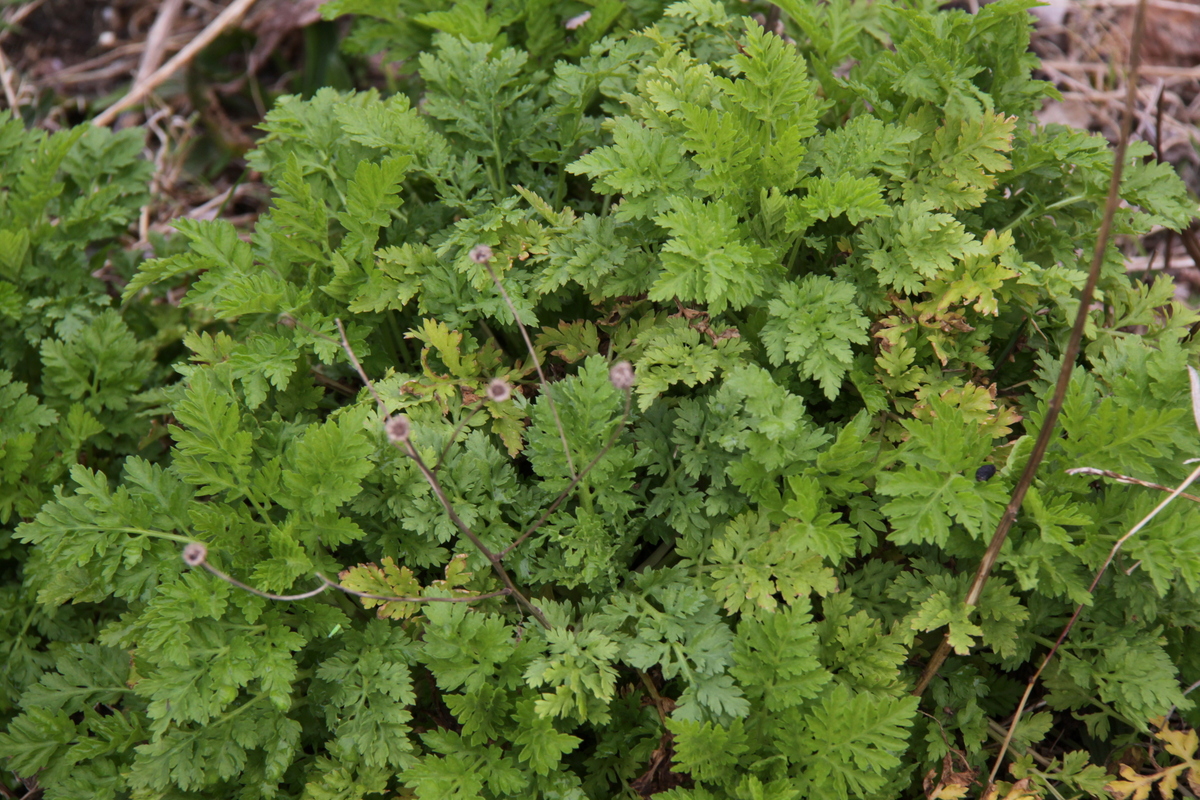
(397,429)
(481,254)
(287,320)
(621,375)
(194,554)
(498,390)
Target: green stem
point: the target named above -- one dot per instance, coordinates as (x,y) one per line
(262,513)
(231,715)
(656,558)
(1052,207)
(496,181)
(12,647)
(791,262)
(331,173)
(187,736)
(174,537)
(560,187)
(389,341)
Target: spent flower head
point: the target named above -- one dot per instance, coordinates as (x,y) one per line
(397,428)
(481,254)
(577,21)
(621,375)
(194,554)
(498,390)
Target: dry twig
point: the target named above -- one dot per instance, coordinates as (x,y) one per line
(1012,728)
(18,16)
(10,92)
(1047,432)
(224,20)
(156,39)
(115,62)
(1119,478)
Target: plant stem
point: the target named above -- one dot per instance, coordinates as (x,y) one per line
(1068,360)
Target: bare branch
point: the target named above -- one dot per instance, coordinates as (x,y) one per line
(1078,610)
(226,19)
(1042,444)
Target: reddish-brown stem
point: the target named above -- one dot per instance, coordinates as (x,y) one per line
(431,479)
(1068,359)
(1012,728)
(537,363)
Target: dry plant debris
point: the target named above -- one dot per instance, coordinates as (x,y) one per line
(61,66)
(1082,45)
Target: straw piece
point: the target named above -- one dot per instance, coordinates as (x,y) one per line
(226,19)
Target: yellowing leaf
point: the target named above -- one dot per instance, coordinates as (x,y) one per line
(387,580)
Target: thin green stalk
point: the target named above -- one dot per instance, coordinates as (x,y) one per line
(12,646)
(174,537)
(1052,207)
(404,355)
(585,497)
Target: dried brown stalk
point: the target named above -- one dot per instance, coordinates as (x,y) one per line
(1068,359)
(1012,728)
(141,90)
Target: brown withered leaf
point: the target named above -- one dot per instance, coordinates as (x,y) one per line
(658,777)
(1021,790)
(952,784)
(698,320)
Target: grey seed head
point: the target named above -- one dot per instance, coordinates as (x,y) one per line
(498,390)
(194,554)
(481,254)
(397,429)
(621,375)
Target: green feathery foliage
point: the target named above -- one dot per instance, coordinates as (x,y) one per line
(843,265)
